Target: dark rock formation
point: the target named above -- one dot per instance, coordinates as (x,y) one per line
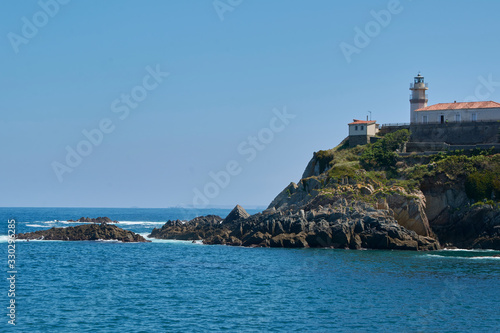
(336,225)
(237,213)
(196,229)
(454,220)
(99,219)
(90,232)
(476,227)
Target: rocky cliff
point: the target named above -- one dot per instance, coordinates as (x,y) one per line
(370,197)
(450,197)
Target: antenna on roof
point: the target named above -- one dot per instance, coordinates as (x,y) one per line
(370,115)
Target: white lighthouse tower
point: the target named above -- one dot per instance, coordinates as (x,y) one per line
(418,96)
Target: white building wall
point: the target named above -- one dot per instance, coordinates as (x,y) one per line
(362,129)
(371,130)
(465,115)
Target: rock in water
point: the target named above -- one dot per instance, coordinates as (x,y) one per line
(197,229)
(85,232)
(99,219)
(237,213)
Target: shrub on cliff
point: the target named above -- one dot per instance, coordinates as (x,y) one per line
(484,184)
(324,158)
(382,154)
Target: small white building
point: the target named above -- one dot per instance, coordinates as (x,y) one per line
(360,131)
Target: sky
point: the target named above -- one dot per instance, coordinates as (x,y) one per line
(214,103)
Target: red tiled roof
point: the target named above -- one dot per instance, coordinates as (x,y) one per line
(461,106)
(357,122)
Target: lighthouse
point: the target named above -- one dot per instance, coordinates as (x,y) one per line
(418,96)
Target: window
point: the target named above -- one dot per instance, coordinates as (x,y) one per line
(458,117)
(362,127)
(473,117)
(356,128)
(425,119)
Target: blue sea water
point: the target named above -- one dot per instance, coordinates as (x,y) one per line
(176,286)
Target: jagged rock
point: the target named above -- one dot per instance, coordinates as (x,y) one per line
(361,226)
(199,228)
(256,239)
(283,199)
(297,195)
(237,213)
(442,194)
(289,240)
(85,232)
(471,227)
(409,211)
(341,236)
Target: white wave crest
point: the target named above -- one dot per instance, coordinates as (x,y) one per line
(140,223)
(464,257)
(171,241)
(4,238)
(470,250)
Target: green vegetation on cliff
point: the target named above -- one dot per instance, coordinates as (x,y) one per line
(381,166)
(382,154)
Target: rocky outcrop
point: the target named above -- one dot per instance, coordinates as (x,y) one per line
(104,219)
(237,213)
(407,208)
(476,227)
(409,211)
(87,232)
(297,195)
(443,194)
(336,225)
(454,220)
(197,229)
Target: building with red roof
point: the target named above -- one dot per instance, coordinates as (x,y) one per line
(442,113)
(361,131)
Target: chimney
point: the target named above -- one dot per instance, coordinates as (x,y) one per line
(366,118)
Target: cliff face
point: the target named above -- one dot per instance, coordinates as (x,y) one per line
(408,209)
(454,220)
(436,204)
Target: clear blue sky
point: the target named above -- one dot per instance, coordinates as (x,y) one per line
(225,79)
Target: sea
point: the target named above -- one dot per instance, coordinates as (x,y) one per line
(181,286)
